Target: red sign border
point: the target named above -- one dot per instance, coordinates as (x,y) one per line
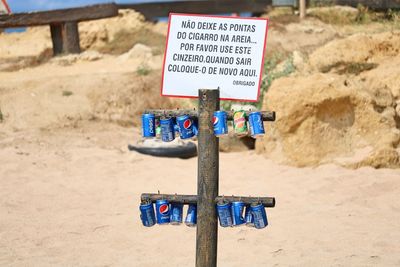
(6,5)
(215,16)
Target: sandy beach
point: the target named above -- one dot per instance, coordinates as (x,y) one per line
(70,188)
(70,197)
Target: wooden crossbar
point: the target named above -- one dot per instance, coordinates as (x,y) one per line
(266,115)
(268,202)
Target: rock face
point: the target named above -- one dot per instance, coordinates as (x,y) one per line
(359,48)
(349,119)
(96,33)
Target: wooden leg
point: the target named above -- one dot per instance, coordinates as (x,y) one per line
(56,38)
(71,38)
(65,38)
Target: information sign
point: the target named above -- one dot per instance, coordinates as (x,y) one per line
(214,52)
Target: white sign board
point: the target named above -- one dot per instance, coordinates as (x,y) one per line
(209,52)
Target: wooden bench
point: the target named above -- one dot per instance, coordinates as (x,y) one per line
(63,23)
(162,9)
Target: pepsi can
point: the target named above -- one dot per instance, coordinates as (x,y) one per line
(191,217)
(220,123)
(148,125)
(176,214)
(259,216)
(196,126)
(147,214)
(256,124)
(162,211)
(237,213)
(248,217)
(224,214)
(185,124)
(167,129)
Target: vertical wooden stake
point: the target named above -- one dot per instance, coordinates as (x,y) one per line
(302,8)
(207,181)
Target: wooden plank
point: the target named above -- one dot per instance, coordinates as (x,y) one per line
(162,9)
(207,181)
(59,16)
(266,115)
(181,199)
(268,202)
(378,5)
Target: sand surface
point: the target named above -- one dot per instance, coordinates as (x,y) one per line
(70,196)
(70,189)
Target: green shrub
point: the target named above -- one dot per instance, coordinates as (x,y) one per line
(270,73)
(143,70)
(67,93)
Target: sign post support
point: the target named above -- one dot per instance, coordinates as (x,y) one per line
(207,52)
(207,181)
(208,177)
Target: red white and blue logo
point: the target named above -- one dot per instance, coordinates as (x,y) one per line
(163,209)
(215,120)
(187,123)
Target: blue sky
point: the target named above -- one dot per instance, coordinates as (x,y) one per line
(37,5)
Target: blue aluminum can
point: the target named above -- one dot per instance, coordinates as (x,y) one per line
(185,124)
(147,214)
(256,124)
(167,129)
(259,216)
(148,125)
(237,213)
(176,214)
(196,126)
(224,214)
(162,211)
(220,123)
(191,217)
(248,217)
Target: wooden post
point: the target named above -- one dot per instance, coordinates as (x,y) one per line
(65,37)
(302,8)
(207,181)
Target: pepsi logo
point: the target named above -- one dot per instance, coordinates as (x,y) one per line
(187,123)
(163,209)
(215,120)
